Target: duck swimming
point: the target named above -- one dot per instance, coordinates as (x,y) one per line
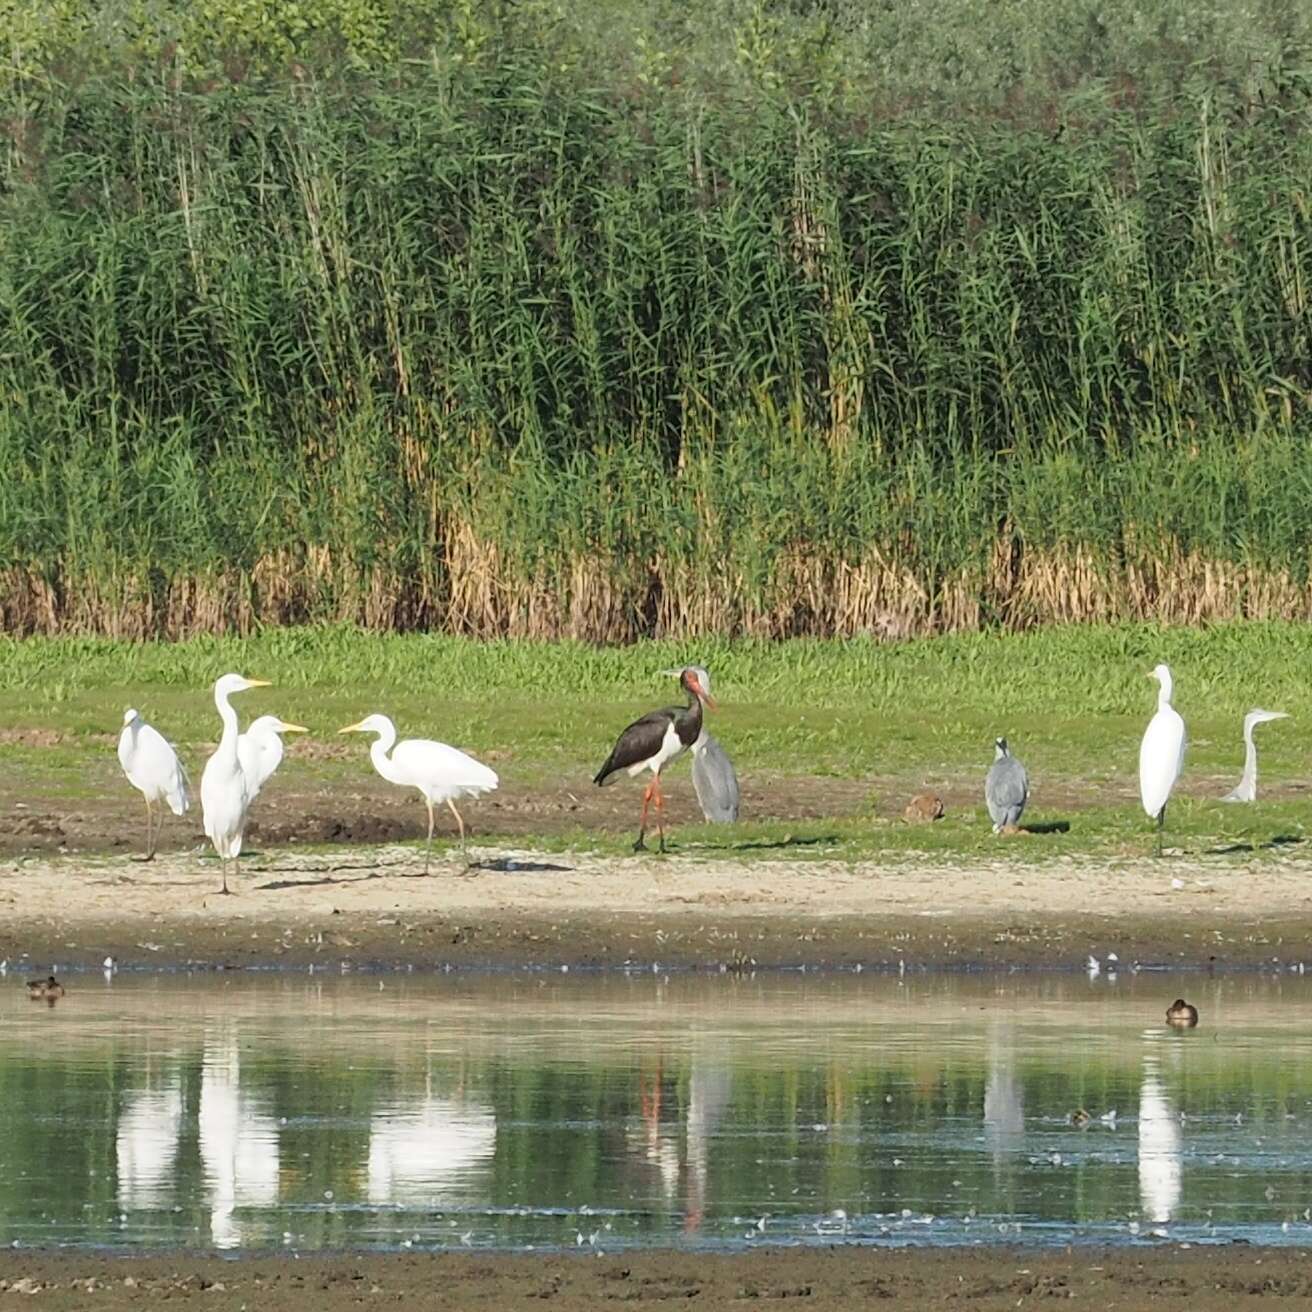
(44,989)
(1181,1013)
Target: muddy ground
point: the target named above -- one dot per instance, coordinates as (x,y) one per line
(375,812)
(503,906)
(1201,1279)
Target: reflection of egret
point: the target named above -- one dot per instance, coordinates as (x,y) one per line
(238,1145)
(416,1149)
(146,1146)
(1161,1169)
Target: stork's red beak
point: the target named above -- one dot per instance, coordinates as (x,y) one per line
(707,700)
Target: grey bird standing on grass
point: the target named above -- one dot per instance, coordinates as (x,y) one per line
(1246,790)
(1006,789)
(712,771)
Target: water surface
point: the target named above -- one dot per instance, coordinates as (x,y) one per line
(517,1111)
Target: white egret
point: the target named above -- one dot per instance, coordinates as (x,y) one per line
(1006,789)
(441,773)
(260,750)
(1161,754)
(225,792)
(1246,789)
(153,769)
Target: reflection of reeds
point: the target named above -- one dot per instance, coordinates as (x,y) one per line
(499,363)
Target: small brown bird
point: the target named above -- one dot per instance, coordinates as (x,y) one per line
(1182,1014)
(44,990)
(924,806)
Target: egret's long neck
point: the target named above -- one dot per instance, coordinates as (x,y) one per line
(1164,692)
(228,741)
(1249,779)
(378,750)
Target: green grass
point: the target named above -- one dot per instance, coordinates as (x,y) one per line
(890,719)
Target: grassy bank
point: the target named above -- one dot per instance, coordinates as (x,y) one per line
(830,739)
(477,330)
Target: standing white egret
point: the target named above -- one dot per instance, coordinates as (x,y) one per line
(225,792)
(153,768)
(1246,789)
(1161,754)
(441,773)
(260,749)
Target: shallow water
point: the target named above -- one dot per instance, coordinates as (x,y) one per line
(516,1111)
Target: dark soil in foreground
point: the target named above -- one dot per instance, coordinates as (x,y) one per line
(1200,1279)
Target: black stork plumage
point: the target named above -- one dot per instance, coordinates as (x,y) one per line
(653,742)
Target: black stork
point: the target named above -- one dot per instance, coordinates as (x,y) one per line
(653,742)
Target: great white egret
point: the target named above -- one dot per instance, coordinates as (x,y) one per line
(1006,789)
(653,742)
(713,775)
(441,773)
(1161,754)
(153,769)
(225,792)
(260,749)
(1246,789)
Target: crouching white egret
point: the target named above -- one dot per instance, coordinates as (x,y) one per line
(260,750)
(1246,789)
(441,773)
(1161,754)
(153,769)
(225,792)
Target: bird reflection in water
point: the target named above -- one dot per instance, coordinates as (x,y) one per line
(709,1088)
(238,1143)
(1161,1142)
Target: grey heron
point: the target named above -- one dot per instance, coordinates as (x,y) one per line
(1006,789)
(652,742)
(1246,789)
(712,771)
(1161,753)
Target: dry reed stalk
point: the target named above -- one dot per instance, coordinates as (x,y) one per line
(473,588)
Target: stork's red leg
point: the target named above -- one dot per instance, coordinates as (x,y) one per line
(660,810)
(640,845)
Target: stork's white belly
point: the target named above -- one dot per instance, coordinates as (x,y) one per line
(671,746)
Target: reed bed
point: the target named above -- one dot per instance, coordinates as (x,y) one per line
(406,336)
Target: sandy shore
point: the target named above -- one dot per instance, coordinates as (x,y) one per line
(1201,1279)
(366,906)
